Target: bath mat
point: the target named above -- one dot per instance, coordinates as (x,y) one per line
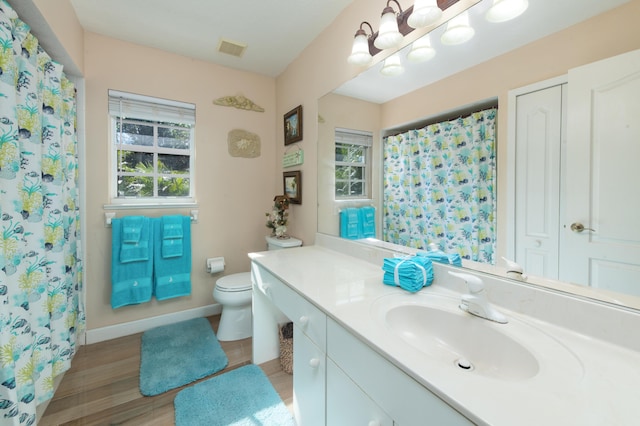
(241,397)
(177,354)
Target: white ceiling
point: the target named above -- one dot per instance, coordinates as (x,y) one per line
(276,31)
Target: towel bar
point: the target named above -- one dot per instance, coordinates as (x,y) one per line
(109,216)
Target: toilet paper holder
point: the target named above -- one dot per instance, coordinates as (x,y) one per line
(215,265)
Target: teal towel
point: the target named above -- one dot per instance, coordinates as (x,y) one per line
(172,236)
(409,273)
(131,281)
(441,257)
(367,222)
(349,223)
(131,228)
(172,275)
(135,238)
(172,227)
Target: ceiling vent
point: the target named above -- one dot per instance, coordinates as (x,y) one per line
(232,48)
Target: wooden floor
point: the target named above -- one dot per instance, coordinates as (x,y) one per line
(102,386)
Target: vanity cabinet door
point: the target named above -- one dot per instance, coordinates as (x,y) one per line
(348,405)
(309,368)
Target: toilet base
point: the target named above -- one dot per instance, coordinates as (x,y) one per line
(235,323)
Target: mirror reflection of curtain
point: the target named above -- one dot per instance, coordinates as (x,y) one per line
(439,186)
(40,269)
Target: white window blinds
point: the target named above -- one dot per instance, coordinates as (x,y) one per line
(125,105)
(353,137)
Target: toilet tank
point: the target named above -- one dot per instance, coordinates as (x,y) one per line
(274,243)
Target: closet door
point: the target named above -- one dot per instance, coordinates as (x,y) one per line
(602,226)
(538,135)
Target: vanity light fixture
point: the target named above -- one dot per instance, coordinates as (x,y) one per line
(360,54)
(421,50)
(425,13)
(504,10)
(458,30)
(389,34)
(392,66)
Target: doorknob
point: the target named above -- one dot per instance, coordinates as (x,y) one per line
(578,227)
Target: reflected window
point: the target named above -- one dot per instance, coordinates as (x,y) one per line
(152,148)
(352,164)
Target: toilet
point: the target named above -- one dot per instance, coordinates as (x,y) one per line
(234,293)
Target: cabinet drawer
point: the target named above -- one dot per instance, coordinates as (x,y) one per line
(301,312)
(399,395)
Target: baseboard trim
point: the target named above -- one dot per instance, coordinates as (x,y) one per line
(120,330)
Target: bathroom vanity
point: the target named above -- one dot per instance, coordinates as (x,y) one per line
(372,354)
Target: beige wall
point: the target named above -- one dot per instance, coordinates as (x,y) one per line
(233,193)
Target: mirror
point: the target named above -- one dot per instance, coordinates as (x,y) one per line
(374,103)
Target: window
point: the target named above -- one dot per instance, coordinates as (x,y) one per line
(152,149)
(352,163)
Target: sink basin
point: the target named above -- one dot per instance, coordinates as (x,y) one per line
(435,326)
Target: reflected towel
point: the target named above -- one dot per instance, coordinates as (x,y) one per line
(131,281)
(367,222)
(349,223)
(409,273)
(172,275)
(137,231)
(441,257)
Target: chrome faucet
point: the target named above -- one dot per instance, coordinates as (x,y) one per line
(476,302)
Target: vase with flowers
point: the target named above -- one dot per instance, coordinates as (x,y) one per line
(277,217)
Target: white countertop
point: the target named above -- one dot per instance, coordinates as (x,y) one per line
(597,386)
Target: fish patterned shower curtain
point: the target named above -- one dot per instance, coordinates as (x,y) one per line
(41,310)
(439,187)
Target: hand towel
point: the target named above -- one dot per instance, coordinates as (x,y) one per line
(172,236)
(409,273)
(134,238)
(367,222)
(172,275)
(349,223)
(131,281)
(131,228)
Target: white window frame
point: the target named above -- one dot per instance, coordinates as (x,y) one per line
(356,138)
(132,107)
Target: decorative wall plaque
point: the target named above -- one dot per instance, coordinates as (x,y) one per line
(242,143)
(239,102)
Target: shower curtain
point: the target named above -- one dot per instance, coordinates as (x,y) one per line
(439,187)
(40,267)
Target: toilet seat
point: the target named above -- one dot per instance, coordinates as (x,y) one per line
(234,283)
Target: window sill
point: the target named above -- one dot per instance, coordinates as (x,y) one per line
(155,204)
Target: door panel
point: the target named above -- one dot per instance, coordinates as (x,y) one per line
(603,176)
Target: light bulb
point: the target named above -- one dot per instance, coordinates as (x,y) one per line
(388,35)
(425,13)
(458,30)
(360,51)
(421,50)
(504,10)
(392,66)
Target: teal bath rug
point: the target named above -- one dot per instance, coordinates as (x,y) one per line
(241,397)
(177,354)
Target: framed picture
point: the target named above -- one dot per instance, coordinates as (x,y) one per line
(293,186)
(293,125)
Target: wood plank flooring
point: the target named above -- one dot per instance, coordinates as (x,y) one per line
(102,386)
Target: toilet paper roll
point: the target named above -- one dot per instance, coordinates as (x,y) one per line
(215,265)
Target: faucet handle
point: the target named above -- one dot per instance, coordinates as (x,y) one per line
(474,283)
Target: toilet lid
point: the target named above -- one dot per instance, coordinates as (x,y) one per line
(235,282)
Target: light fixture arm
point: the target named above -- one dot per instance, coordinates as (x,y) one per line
(361,31)
(390,9)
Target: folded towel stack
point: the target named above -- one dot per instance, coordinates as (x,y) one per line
(441,257)
(409,273)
